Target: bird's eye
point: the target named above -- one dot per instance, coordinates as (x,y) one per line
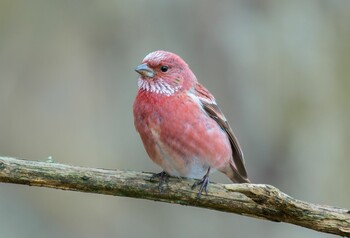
(164,68)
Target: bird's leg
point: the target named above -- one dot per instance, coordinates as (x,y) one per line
(163,178)
(204,182)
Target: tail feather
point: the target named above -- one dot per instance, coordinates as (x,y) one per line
(235,176)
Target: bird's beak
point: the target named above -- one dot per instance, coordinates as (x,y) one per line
(144,70)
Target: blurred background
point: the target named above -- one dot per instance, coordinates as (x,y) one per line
(279,69)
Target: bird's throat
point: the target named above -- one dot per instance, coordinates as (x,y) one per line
(157,86)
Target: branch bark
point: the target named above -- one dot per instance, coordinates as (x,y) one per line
(254,200)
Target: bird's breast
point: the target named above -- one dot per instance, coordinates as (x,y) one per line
(179,136)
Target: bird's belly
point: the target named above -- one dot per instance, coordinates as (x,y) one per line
(179,165)
(190,155)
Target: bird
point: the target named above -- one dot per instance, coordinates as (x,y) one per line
(180,124)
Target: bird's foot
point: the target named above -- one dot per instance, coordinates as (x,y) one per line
(204,182)
(163,179)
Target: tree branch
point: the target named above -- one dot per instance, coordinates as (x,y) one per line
(254,200)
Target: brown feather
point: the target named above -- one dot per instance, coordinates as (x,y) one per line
(213,111)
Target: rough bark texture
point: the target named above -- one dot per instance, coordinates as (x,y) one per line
(254,200)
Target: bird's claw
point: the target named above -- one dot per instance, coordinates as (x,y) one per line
(204,182)
(163,179)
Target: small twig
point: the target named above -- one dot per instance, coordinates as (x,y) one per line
(254,200)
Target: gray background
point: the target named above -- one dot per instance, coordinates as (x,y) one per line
(279,70)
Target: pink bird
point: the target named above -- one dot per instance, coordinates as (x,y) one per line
(182,128)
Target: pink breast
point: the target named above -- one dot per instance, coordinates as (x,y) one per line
(181,138)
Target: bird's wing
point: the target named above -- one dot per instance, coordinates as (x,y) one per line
(211,108)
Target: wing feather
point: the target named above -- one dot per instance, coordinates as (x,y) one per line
(211,108)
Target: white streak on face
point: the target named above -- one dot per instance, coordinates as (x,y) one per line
(158,86)
(156,56)
(153,88)
(140,84)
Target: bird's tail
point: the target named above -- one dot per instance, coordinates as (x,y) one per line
(235,176)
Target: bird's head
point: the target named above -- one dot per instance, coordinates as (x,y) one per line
(162,72)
